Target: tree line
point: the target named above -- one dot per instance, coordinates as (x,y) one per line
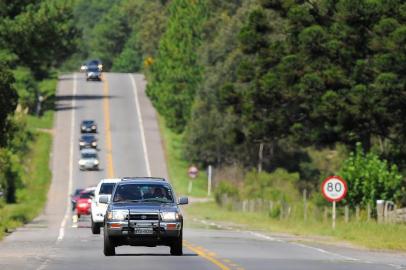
(267,83)
(35,38)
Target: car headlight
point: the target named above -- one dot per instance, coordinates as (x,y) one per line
(96,162)
(169,216)
(81,143)
(94,143)
(93,127)
(117,215)
(82,162)
(82,205)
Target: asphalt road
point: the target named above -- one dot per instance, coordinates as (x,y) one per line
(130,144)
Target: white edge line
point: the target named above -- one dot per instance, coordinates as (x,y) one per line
(141,124)
(72,130)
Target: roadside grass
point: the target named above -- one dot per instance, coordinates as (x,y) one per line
(365,234)
(178,166)
(46,121)
(36,178)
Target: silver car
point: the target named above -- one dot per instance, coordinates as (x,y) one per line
(89,160)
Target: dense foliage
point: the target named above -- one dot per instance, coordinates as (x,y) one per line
(266,83)
(371,179)
(35,38)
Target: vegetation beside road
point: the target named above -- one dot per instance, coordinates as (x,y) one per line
(35,38)
(35,177)
(317,227)
(178,166)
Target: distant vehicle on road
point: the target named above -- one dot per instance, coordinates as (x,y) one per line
(74,197)
(143,212)
(93,73)
(94,63)
(89,160)
(105,187)
(88,126)
(83,204)
(87,141)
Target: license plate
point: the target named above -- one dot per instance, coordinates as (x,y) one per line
(143,231)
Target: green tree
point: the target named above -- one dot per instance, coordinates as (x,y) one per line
(8,102)
(176,74)
(370,178)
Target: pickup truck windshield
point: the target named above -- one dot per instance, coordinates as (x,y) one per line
(143,193)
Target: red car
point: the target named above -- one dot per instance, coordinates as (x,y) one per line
(84,202)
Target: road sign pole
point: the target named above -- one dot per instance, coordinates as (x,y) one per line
(209,181)
(190,186)
(334,215)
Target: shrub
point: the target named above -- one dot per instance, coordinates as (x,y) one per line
(370,178)
(226,188)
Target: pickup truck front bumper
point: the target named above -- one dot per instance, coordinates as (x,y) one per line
(145,233)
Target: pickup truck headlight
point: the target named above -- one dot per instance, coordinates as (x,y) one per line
(169,216)
(117,215)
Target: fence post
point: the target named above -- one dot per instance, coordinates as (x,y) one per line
(357,213)
(380,204)
(346,214)
(244,205)
(304,204)
(368,212)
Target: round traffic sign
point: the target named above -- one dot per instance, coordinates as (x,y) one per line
(334,188)
(193,171)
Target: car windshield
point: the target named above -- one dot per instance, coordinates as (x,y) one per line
(86,195)
(77,192)
(143,193)
(107,188)
(89,155)
(87,138)
(93,69)
(89,122)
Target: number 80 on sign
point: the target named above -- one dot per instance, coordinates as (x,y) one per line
(334,188)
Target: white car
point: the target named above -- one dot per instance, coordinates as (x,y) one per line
(89,160)
(105,187)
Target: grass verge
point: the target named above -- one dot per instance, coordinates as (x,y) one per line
(178,166)
(36,179)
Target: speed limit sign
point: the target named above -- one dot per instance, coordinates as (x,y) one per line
(334,188)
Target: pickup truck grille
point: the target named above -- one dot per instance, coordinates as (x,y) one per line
(144,216)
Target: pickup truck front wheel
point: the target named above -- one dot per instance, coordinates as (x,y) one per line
(177,246)
(108,248)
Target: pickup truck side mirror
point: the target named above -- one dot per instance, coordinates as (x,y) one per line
(183,200)
(104,199)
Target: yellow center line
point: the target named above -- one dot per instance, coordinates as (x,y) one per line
(206,256)
(106,112)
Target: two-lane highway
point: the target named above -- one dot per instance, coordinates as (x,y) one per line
(130,144)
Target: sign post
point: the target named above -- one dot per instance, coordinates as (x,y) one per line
(209,176)
(334,189)
(193,171)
